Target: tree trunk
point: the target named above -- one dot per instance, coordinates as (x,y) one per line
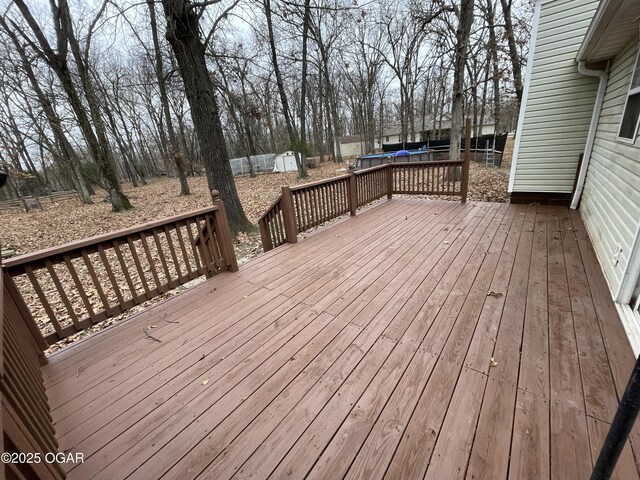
(58,62)
(513,49)
(303,87)
(52,117)
(293,134)
(184,38)
(457,105)
(171,150)
(493,52)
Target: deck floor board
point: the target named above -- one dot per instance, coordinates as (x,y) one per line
(364,351)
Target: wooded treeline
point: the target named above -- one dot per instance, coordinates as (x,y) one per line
(94,94)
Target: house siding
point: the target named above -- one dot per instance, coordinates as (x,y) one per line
(559,102)
(610,205)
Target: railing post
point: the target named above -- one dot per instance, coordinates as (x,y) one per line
(353,193)
(464,187)
(389,181)
(290,226)
(224,232)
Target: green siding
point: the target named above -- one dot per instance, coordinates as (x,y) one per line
(610,203)
(559,101)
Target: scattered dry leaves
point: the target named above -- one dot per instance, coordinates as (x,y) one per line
(68,220)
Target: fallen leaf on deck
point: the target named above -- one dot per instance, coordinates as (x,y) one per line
(204,382)
(491,293)
(493,363)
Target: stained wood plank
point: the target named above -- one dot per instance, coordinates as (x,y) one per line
(600,396)
(460,315)
(490,453)
(482,345)
(366,315)
(459,427)
(133,447)
(172,339)
(394,381)
(336,458)
(621,357)
(170,375)
(569,436)
(534,363)
(531,438)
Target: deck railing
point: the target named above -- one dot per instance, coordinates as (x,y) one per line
(28,436)
(303,207)
(318,202)
(82,283)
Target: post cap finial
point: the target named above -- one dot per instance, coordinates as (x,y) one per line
(215,194)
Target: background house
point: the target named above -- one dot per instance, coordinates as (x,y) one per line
(392,134)
(582,98)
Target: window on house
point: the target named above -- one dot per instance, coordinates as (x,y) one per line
(386,139)
(631,114)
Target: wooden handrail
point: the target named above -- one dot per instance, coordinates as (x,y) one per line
(84,282)
(79,244)
(302,207)
(306,186)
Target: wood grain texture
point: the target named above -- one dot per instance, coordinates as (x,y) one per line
(362,352)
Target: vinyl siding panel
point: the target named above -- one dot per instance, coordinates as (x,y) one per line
(559,102)
(610,203)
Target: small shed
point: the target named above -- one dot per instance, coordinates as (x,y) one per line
(285,162)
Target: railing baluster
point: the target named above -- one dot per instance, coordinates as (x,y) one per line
(174,257)
(216,242)
(299,209)
(204,249)
(136,261)
(325,198)
(288,217)
(332,197)
(125,271)
(112,278)
(316,206)
(43,299)
(96,282)
(152,263)
(80,288)
(62,293)
(165,267)
(194,250)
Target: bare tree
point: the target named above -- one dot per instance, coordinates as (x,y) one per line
(516,61)
(172,149)
(465,20)
(183,34)
(92,125)
(67,152)
(294,137)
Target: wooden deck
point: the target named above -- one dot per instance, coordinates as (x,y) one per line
(420,339)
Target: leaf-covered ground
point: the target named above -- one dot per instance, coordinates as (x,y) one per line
(68,221)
